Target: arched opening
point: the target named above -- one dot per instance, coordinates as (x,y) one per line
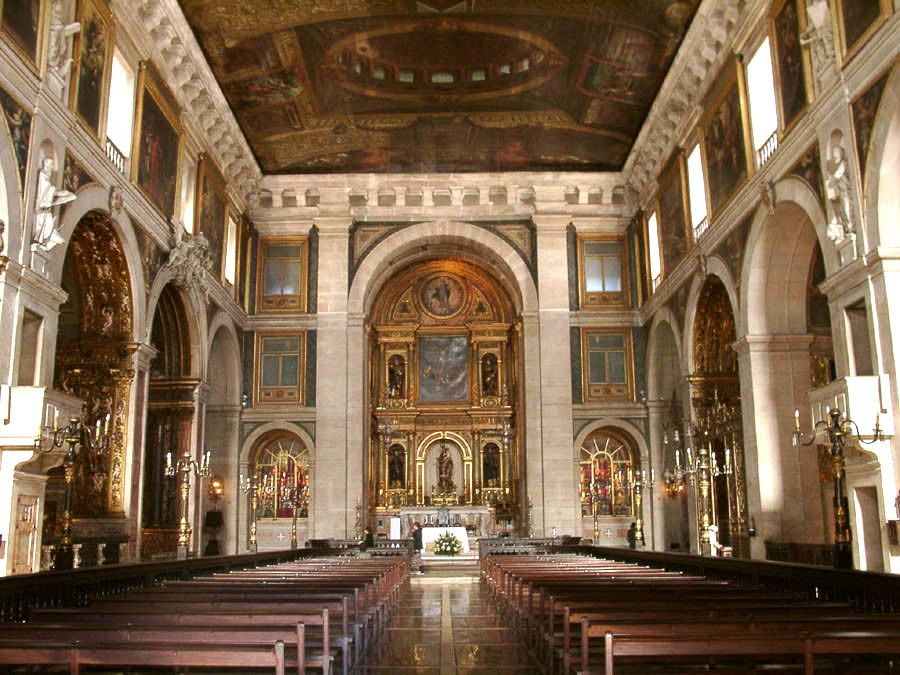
(788,351)
(170,413)
(93,362)
(221,419)
(667,429)
(607,463)
(444,376)
(715,465)
(280,463)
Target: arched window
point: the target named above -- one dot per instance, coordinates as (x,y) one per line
(606,466)
(282,472)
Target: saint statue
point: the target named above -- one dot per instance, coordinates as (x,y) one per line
(445,472)
(45,234)
(837,188)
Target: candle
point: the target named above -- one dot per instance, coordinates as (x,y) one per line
(690,460)
(652,475)
(56,419)
(677,459)
(106,429)
(797,420)
(168,460)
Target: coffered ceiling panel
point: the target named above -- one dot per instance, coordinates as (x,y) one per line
(439,85)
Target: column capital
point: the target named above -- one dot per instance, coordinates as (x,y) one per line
(551,223)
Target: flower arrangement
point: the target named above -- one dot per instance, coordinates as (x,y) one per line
(447,544)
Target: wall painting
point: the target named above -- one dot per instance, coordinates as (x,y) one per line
(674,237)
(92,59)
(22,22)
(18,121)
(791,67)
(212,210)
(865,108)
(156,146)
(857,20)
(724,132)
(443,369)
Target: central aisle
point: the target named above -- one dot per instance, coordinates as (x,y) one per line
(445,627)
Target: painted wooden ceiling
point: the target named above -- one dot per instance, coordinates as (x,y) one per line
(323,86)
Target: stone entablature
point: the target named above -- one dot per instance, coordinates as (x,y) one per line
(400,197)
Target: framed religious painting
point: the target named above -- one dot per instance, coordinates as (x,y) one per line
(211,212)
(724,134)
(156,148)
(23,23)
(856,21)
(793,77)
(92,60)
(443,369)
(674,237)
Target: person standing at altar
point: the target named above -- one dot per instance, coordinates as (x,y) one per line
(417,546)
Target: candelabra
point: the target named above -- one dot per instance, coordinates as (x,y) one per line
(295,494)
(637,483)
(95,439)
(837,430)
(250,484)
(185,466)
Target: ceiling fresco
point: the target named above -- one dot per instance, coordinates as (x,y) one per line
(324,86)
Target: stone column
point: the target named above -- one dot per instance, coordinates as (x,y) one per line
(339,471)
(553,464)
(775,379)
(658,541)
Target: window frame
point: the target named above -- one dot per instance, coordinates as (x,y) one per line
(264,306)
(279,394)
(606,391)
(603,299)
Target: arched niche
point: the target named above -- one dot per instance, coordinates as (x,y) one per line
(221,419)
(444,354)
(170,417)
(281,463)
(93,361)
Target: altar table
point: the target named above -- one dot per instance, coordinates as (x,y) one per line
(429,534)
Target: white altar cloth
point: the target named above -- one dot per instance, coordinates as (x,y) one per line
(429,534)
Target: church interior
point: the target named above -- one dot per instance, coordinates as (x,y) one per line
(274,273)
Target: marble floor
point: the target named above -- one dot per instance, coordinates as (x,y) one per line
(446,626)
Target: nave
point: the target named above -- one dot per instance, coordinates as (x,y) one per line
(578,610)
(446,624)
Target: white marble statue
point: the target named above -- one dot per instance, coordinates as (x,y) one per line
(45,234)
(58,59)
(837,189)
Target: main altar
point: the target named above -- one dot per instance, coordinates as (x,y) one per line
(444,355)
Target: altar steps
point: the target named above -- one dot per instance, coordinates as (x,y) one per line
(454,565)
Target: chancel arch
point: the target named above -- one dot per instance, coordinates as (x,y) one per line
(445,373)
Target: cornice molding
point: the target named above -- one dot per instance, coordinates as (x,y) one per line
(708,42)
(166,36)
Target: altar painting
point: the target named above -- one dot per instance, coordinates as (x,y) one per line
(443,369)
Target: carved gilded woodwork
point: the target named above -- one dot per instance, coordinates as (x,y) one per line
(442,355)
(94,357)
(715,399)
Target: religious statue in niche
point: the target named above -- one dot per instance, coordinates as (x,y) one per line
(58,59)
(396,467)
(445,471)
(45,234)
(396,377)
(837,189)
(489,384)
(491,465)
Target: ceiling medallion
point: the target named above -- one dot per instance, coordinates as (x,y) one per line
(440,58)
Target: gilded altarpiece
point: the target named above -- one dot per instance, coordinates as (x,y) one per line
(717,429)
(97,365)
(443,384)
